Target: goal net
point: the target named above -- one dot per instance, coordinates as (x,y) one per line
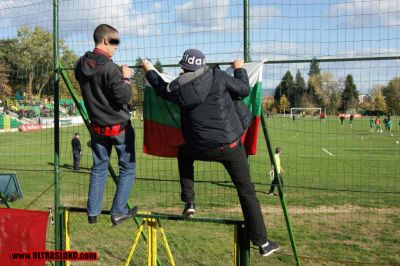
(305,111)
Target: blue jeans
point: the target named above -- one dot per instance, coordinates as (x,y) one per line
(124,144)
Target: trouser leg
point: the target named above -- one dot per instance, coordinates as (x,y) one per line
(101,150)
(124,145)
(235,163)
(186,173)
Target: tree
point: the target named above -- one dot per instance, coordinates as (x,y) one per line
(392,95)
(136,99)
(139,79)
(379,103)
(334,102)
(284,103)
(314,67)
(350,94)
(158,66)
(306,101)
(314,82)
(378,100)
(268,102)
(7,53)
(68,58)
(30,57)
(34,57)
(5,87)
(299,88)
(328,95)
(285,87)
(315,91)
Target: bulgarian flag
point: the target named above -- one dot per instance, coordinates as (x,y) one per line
(162,122)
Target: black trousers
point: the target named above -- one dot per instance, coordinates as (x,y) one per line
(275,183)
(235,162)
(77,160)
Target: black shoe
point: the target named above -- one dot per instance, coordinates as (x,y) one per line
(117,219)
(92,219)
(268,248)
(189,209)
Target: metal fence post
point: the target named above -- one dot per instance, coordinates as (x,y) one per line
(246,30)
(281,196)
(56,83)
(242,246)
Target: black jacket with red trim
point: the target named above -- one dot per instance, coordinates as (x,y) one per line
(105,93)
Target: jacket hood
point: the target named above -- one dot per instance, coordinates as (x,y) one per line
(201,78)
(91,63)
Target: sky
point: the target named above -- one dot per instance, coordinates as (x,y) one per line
(279,30)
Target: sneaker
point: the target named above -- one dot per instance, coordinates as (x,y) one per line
(117,219)
(270,194)
(189,209)
(92,219)
(268,248)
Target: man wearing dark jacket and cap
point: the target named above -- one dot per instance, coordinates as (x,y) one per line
(106,91)
(212,129)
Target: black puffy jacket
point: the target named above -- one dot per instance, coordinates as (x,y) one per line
(208,116)
(105,92)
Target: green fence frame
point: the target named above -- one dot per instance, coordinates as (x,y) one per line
(243,244)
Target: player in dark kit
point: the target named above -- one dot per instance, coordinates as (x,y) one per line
(351,120)
(76,151)
(341,119)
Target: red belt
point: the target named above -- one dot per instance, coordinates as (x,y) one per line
(112,130)
(231,145)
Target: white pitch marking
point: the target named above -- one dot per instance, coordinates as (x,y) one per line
(329,153)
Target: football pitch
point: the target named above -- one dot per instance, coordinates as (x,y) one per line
(342,187)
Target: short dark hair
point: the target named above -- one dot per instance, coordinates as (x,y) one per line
(76,134)
(278,150)
(101,31)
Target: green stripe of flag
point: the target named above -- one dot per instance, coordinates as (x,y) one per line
(159,110)
(253,101)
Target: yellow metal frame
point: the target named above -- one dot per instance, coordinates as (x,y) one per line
(67,239)
(153,225)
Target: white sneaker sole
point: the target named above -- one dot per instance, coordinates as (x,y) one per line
(189,212)
(270,252)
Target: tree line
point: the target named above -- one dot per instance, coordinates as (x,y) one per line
(334,96)
(26,65)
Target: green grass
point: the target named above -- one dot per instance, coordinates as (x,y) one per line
(343,207)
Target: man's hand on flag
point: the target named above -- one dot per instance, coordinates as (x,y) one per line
(238,63)
(126,72)
(147,66)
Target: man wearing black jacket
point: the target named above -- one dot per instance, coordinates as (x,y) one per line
(76,151)
(106,91)
(212,130)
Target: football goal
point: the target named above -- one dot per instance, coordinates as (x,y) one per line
(305,111)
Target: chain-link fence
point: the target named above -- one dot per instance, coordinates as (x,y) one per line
(341,176)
